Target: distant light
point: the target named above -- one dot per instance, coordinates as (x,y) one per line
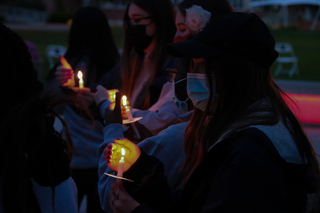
(306,107)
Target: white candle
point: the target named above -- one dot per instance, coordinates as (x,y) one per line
(129,115)
(128,111)
(121,165)
(80,79)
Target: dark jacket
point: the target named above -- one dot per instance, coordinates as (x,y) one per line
(242,173)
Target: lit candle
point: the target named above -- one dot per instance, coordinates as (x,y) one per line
(128,111)
(121,165)
(112,94)
(129,115)
(80,79)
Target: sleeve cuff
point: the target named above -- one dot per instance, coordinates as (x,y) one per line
(140,168)
(103,105)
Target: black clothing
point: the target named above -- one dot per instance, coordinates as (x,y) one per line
(242,173)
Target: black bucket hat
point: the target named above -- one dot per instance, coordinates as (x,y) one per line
(242,34)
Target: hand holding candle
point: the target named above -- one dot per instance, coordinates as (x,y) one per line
(103,94)
(65,73)
(81,83)
(126,110)
(80,76)
(113,154)
(121,165)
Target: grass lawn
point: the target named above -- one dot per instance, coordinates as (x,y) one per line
(43,38)
(306,45)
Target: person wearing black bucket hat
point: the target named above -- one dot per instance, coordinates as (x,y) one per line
(246,35)
(247,152)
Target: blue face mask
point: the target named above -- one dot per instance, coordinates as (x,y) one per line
(198,89)
(180,104)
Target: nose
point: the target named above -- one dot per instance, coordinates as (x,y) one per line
(198,65)
(171,73)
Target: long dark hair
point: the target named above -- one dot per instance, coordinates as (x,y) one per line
(90,36)
(240,83)
(162,12)
(30,146)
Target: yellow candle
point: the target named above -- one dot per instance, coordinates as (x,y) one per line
(129,115)
(121,165)
(124,100)
(80,79)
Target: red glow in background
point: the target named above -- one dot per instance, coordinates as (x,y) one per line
(305,107)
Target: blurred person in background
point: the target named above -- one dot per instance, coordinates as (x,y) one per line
(91,49)
(35,173)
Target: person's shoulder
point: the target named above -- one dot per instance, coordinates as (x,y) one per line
(249,143)
(175,127)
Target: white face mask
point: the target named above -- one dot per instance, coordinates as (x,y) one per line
(198,89)
(180,104)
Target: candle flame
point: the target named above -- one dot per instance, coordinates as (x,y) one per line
(124,100)
(123,152)
(80,74)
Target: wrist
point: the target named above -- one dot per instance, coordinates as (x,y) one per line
(103,105)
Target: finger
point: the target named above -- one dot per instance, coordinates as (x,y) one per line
(123,141)
(118,99)
(110,146)
(107,158)
(64,74)
(107,153)
(63,78)
(112,198)
(64,70)
(63,81)
(99,87)
(112,164)
(117,108)
(114,187)
(108,149)
(121,187)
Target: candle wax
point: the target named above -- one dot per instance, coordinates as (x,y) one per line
(80,76)
(120,169)
(129,114)
(80,83)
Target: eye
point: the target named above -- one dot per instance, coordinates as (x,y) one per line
(182,28)
(136,20)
